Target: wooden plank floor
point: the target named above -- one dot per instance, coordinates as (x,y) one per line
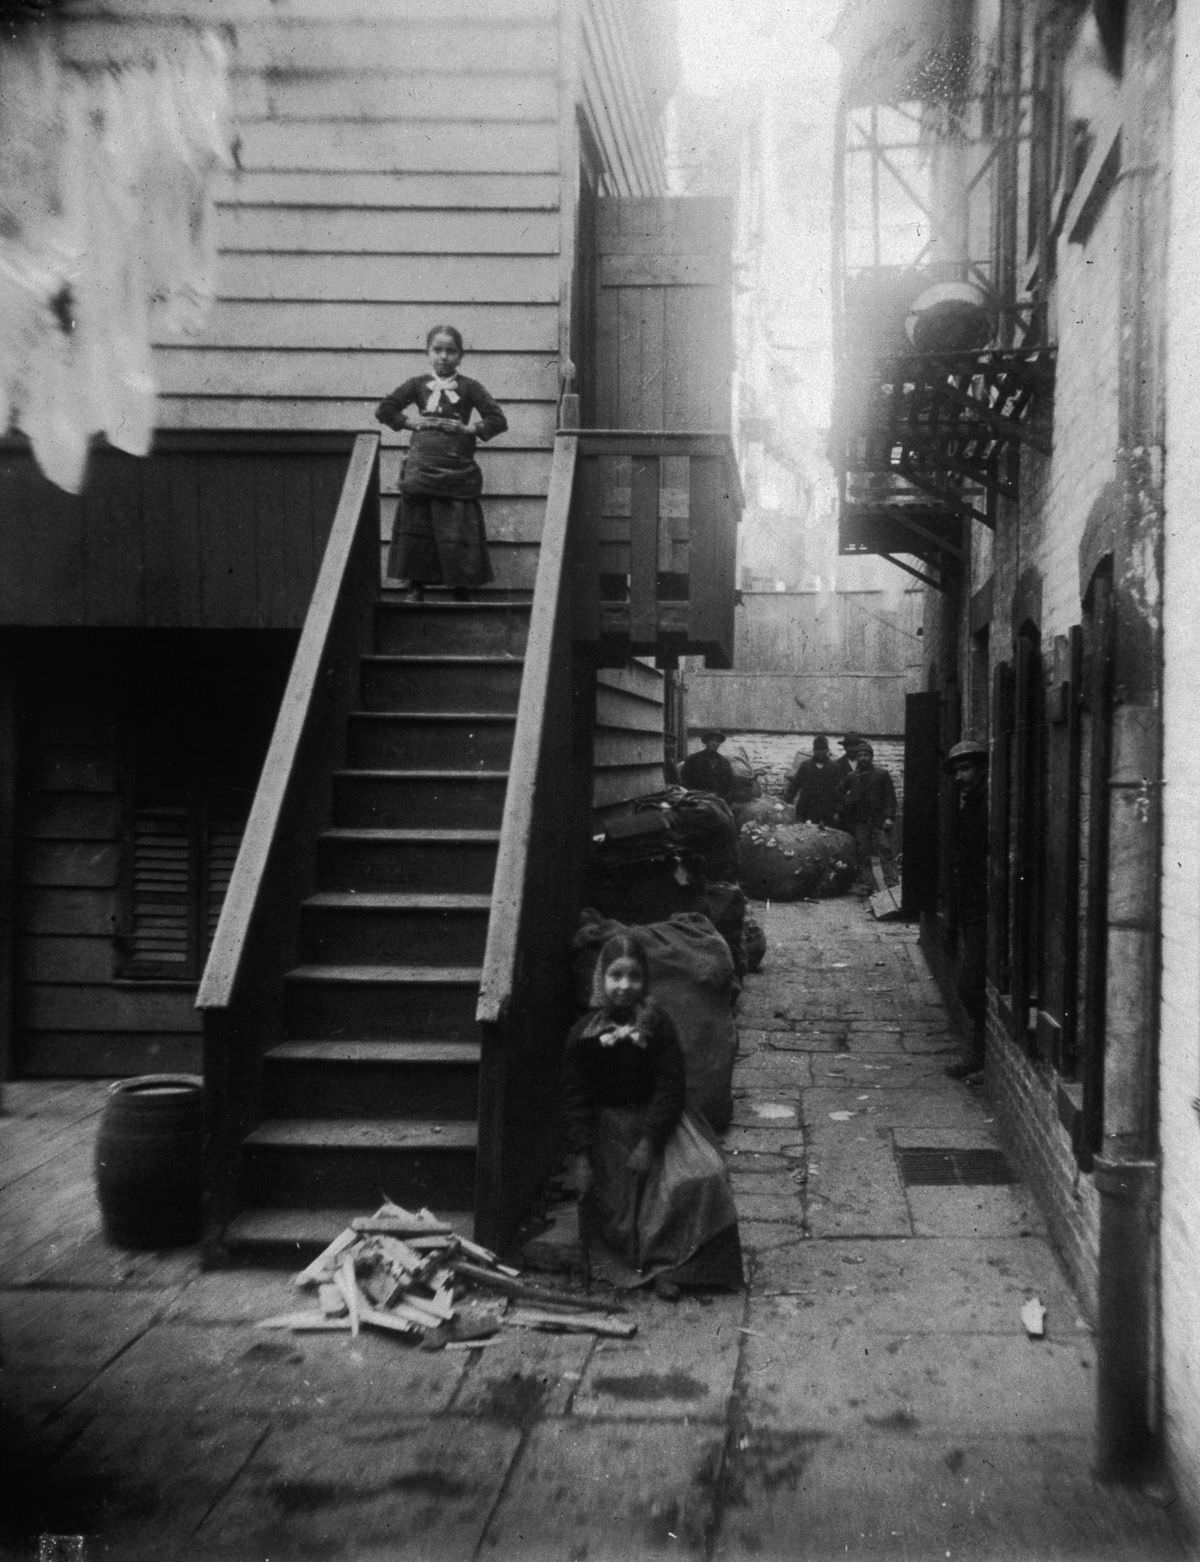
(48,1209)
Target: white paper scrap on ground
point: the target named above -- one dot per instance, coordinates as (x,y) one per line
(1033,1316)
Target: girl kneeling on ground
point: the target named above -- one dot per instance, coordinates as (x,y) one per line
(651,1170)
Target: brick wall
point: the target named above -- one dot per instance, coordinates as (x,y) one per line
(773,753)
(1179,1043)
(1024,1096)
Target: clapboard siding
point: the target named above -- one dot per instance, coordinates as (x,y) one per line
(615,104)
(398,191)
(69,1007)
(418,46)
(89,701)
(628,746)
(336,12)
(370,95)
(355,327)
(353,231)
(440,280)
(416,146)
(398,164)
(334,375)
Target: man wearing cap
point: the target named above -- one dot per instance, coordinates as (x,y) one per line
(966,765)
(869,803)
(814,785)
(707,770)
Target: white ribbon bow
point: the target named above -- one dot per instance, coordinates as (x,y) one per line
(439,388)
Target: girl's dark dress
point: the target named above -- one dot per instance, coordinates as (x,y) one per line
(679,1222)
(438,537)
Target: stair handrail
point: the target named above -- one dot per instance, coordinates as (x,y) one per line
(551,598)
(357,511)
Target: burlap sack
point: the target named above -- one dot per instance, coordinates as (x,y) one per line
(692,976)
(794,861)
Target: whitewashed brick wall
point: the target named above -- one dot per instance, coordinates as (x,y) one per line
(774,752)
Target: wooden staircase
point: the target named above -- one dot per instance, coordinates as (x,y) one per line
(373,1089)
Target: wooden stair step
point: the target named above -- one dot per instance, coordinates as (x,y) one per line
(388,975)
(398,900)
(316,1226)
(361,1134)
(367,1051)
(403,837)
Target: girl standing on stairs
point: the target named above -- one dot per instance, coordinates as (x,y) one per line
(651,1171)
(438,537)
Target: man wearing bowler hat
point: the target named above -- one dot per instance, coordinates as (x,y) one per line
(966,765)
(707,770)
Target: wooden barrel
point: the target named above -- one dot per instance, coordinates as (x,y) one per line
(149,1160)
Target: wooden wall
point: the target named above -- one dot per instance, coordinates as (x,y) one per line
(399,166)
(72,1013)
(815,662)
(210,531)
(629,737)
(623,63)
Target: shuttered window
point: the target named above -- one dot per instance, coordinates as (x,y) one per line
(180,850)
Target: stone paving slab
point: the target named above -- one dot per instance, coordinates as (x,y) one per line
(680,1364)
(910,1108)
(770,1068)
(847,1070)
(801,1039)
(780,1206)
(952,1287)
(766,1109)
(614,1492)
(804,1375)
(854,1187)
(801,1499)
(975,1212)
(407,1491)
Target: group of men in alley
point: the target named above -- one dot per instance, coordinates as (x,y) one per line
(854,794)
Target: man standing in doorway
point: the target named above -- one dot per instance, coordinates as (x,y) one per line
(966,765)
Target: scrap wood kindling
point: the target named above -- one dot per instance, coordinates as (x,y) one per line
(413,1275)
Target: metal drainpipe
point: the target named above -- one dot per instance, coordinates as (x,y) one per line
(1126,1170)
(1126,1178)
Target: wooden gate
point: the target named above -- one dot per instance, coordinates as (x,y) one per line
(663,357)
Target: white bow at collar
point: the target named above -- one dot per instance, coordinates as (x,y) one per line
(439,388)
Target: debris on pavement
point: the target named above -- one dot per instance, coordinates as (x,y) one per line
(1033,1316)
(410,1274)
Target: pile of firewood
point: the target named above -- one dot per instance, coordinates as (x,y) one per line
(414,1276)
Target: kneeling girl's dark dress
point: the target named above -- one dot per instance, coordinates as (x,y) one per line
(438,538)
(623,1083)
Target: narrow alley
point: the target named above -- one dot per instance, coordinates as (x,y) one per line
(877,1392)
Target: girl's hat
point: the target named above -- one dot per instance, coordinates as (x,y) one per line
(821,745)
(712,732)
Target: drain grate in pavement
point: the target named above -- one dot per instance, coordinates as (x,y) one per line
(953,1168)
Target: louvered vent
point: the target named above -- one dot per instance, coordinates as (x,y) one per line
(179,871)
(161,939)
